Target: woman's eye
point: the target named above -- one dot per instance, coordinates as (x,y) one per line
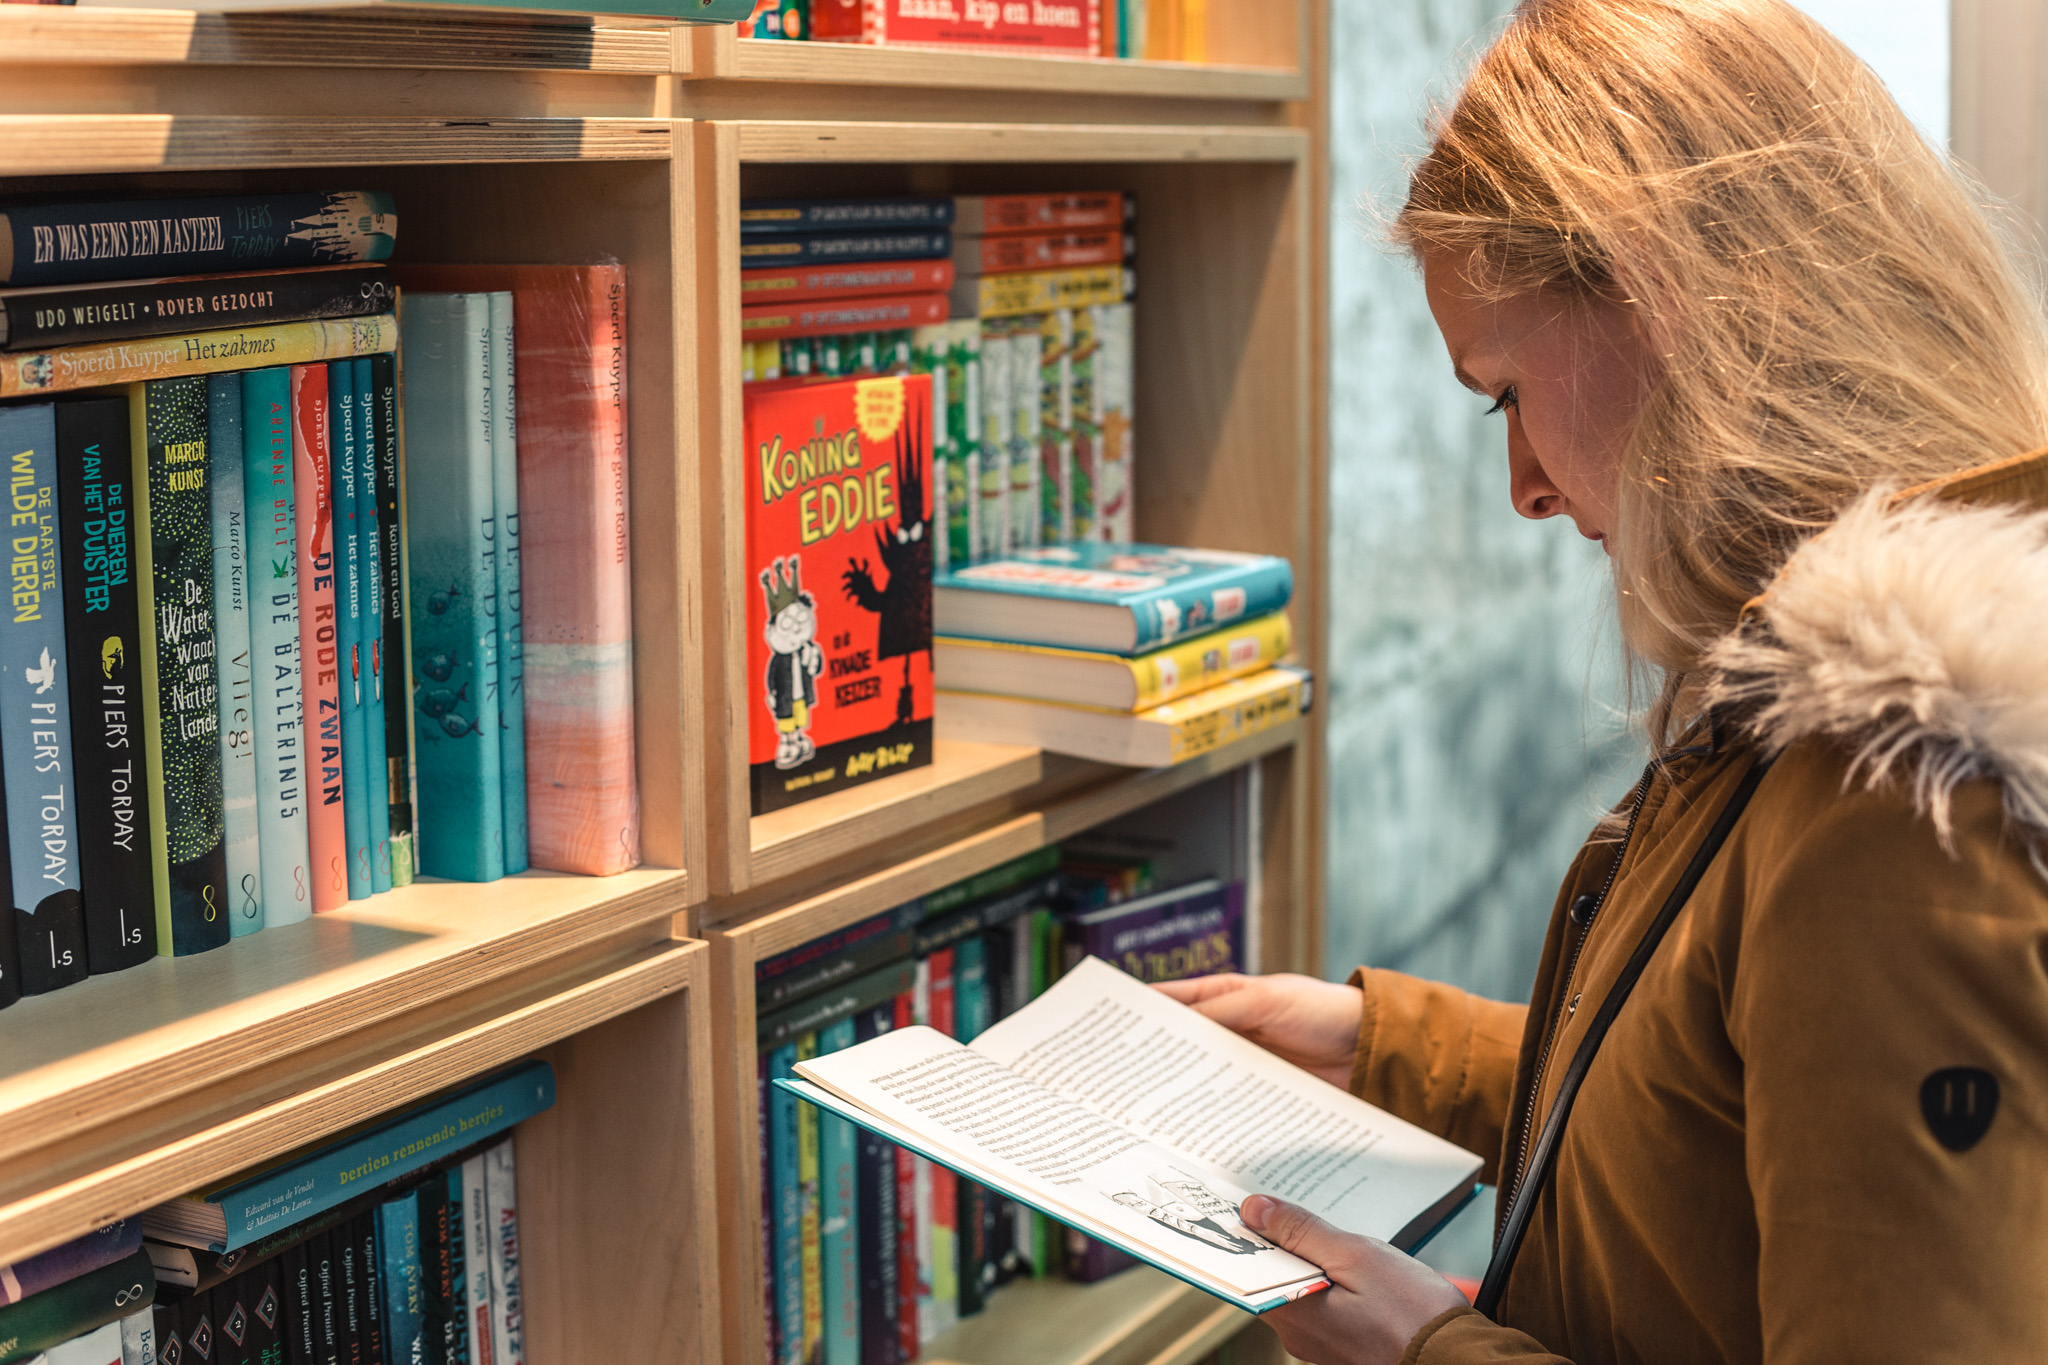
(1508,399)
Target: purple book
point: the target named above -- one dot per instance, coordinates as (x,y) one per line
(1191,930)
(67,1262)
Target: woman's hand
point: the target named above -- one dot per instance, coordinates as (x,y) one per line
(1311,1023)
(1377,1301)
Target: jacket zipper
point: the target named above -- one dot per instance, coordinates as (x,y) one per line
(1635,810)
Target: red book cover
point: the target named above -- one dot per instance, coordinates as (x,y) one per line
(575,579)
(867,279)
(770,321)
(988,214)
(1009,255)
(1056,28)
(839,572)
(319,660)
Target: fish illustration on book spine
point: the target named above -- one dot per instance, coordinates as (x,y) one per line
(35,714)
(281,756)
(179,687)
(97,525)
(231,644)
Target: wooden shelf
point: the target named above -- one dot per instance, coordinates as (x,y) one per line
(854,64)
(1140,1317)
(808,140)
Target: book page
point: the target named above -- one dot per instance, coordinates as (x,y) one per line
(1158,1069)
(1058,1152)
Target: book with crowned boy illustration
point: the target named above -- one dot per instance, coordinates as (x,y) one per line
(1131,1117)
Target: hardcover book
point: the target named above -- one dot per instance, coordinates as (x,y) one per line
(344,453)
(1113,682)
(67,1261)
(505,501)
(1008,255)
(839,548)
(994,214)
(1037,291)
(70,243)
(232,657)
(32,373)
(769,321)
(97,528)
(767,217)
(1168,734)
(839,248)
(804,284)
(1192,930)
(75,1307)
(319,637)
(35,714)
(78,314)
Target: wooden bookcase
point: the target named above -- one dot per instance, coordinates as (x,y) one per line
(512,137)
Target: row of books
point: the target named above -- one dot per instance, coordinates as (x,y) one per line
(1157,30)
(395,1245)
(871,1251)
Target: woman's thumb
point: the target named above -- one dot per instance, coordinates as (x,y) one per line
(1293,1228)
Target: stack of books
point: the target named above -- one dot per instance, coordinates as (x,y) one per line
(395,1245)
(1144,655)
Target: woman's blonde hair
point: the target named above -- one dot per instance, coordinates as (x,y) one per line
(1825,305)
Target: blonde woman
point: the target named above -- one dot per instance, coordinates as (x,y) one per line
(1748,331)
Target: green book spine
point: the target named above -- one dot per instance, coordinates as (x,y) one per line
(511,667)
(174,516)
(75,1307)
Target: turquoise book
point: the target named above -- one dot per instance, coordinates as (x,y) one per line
(1116,599)
(452,587)
(402,1276)
(786,1204)
(369,639)
(234,704)
(505,497)
(280,726)
(344,454)
(236,1213)
(839,1230)
(35,713)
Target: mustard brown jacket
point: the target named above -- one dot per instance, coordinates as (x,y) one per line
(1753,1171)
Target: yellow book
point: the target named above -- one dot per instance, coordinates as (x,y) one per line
(812,1225)
(1037,291)
(33,373)
(1114,682)
(1164,735)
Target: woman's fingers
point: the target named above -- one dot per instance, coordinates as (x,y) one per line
(1195,989)
(1293,1228)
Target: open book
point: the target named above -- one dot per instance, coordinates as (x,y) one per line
(1120,1112)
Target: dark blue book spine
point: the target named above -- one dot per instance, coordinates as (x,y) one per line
(401,1276)
(346,454)
(391,650)
(79,243)
(35,713)
(877,1217)
(834,248)
(767,217)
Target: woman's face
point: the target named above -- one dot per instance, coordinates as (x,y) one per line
(1568,375)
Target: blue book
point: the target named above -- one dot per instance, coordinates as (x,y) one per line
(224,425)
(345,454)
(839,248)
(144,238)
(786,1193)
(505,497)
(267,499)
(231,1216)
(402,1276)
(453,586)
(765,217)
(839,1232)
(455,1332)
(35,713)
(1115,599)
(370,649)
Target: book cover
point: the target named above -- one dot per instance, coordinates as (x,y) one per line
(576,619)
(1067,250)
(810,1220)
(281,758)
(96,517)
(237,1213)
(838,1230)
(1192,930)
(839,248)
(1133,597)
(1070,29)
(76,1306)
(35,714)
(1138,682)
(1168,734)
(235,688)
(401,1276)
(991,214)
(835,957)
(770,321)
(80,314)
(391,653)
(319,636)
(363,652)
(838,546)
(875,1219)
(33,373)
(784,1183)
(1114,516)
(505,501)
(120,239)
(788,285)
(476,1243)
(1038,291)
(770,217)
(451,540)
(100,1247)
(344,449)
(508,1311)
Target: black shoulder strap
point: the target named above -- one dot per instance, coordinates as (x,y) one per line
(1544,1157)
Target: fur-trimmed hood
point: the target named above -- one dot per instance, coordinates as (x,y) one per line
(1914,630)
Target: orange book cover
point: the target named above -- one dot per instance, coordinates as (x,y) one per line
(319,655)
(839,577)
(569,375)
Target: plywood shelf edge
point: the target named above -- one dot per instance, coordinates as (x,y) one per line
(854,64)
(805,140)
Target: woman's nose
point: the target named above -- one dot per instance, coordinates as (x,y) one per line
(1535,496)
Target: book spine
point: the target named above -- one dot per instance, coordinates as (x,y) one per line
(349,1275)
(453,586)
(978,255)
(300,1304)
(174,581)
(785,1183)
(833,1004)
(1175,614)
(281,757)
(1195,664)
(324,1256)
(838,248)
(476,1243)
(35,715)
(904,1013)
(767,217)
(997,415)
(963,431)
(224,440)
(1115,434)
(945,1224)
(1056,446)
(438,1268)
(505,502)
(75,243)
(1201,733)
(370,630)
(38,373)
(392,670)
(1084,423)
(970,1000)
(319,641)
(41,320)
(1039,291)
(77,1306)
(138,1338)
(805,283)
(773,321)
(101,1247)
(401,1276)
(771,1327)
(501,1194)
(924,1175)
(101,1346)
(1007,213)
(361,1231)
(455,1326)
(838,1222)
(811,1221)
(875,1220)
(97,530)
(1027,432)
(260,1291)
(343,454)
